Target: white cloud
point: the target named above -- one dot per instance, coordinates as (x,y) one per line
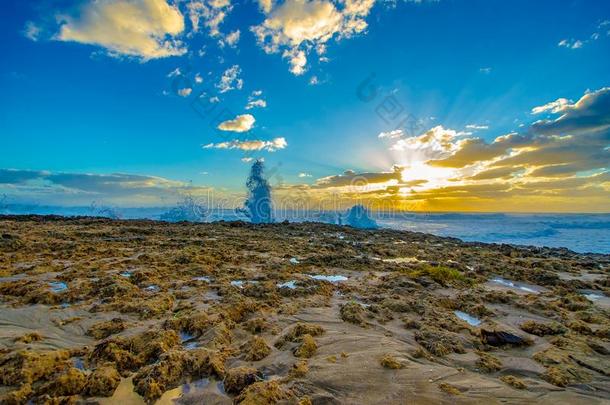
(185,92)
(260,103)
(175,72)
(32,31)
(477,127)
(395,134)
(212,13)
(485,70)
(198,79)
(146,29)
(296,26)
(554,106)
(214,100)
(297,60)
(230,79)
(241,123)
(231,39)
(435,143)
(250,145)
(571,43)
(265,5)
(302,175)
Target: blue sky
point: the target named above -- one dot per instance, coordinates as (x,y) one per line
(86,102)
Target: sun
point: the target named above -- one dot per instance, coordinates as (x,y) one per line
(434,176)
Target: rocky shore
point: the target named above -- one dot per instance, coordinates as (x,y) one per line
(107,311)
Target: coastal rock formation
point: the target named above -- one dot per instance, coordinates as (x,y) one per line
(144,311)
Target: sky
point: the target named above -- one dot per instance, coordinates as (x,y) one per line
(445,105)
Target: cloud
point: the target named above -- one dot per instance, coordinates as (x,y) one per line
(303,175)
(294,27)
(434,143)
(571,43)
(297,60)
(145,29)
(230,80)
(394,134)
(241,123)
(575,143)
(351,178)
(82,188)
(265,5)
(230,40)
(471,150)
(32,31)
(255,100)
(250,145)
(13,176)
(209,13)
(260,103)
(591,112)
(477,127)
(185,92)
(554,106)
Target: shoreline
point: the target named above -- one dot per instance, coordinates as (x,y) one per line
(54,217)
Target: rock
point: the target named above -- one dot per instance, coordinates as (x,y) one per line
(103,381)
(501,338)
(239,378)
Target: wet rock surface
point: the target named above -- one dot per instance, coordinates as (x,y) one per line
(137,312)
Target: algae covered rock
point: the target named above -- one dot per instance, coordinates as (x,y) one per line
(236,379)
(102,330)
(296,333)
(354,313)
(543,329)
(103,381)
(307,348)
(256,349)
(262,393)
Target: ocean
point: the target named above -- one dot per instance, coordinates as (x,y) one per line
(583,233)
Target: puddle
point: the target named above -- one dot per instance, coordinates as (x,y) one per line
(294,260)
(469,319)
(202,278)
(240,283)
(516,285)
(58,286)
(78,363)
(597,297)
(332,279)
(288,284)
(153,288)
(399,260)
(188,341)
(125,274)
(200,391)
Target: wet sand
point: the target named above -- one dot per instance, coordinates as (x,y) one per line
(136,312)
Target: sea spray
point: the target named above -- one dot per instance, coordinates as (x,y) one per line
(358,217)
(258,206)
(186,210)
